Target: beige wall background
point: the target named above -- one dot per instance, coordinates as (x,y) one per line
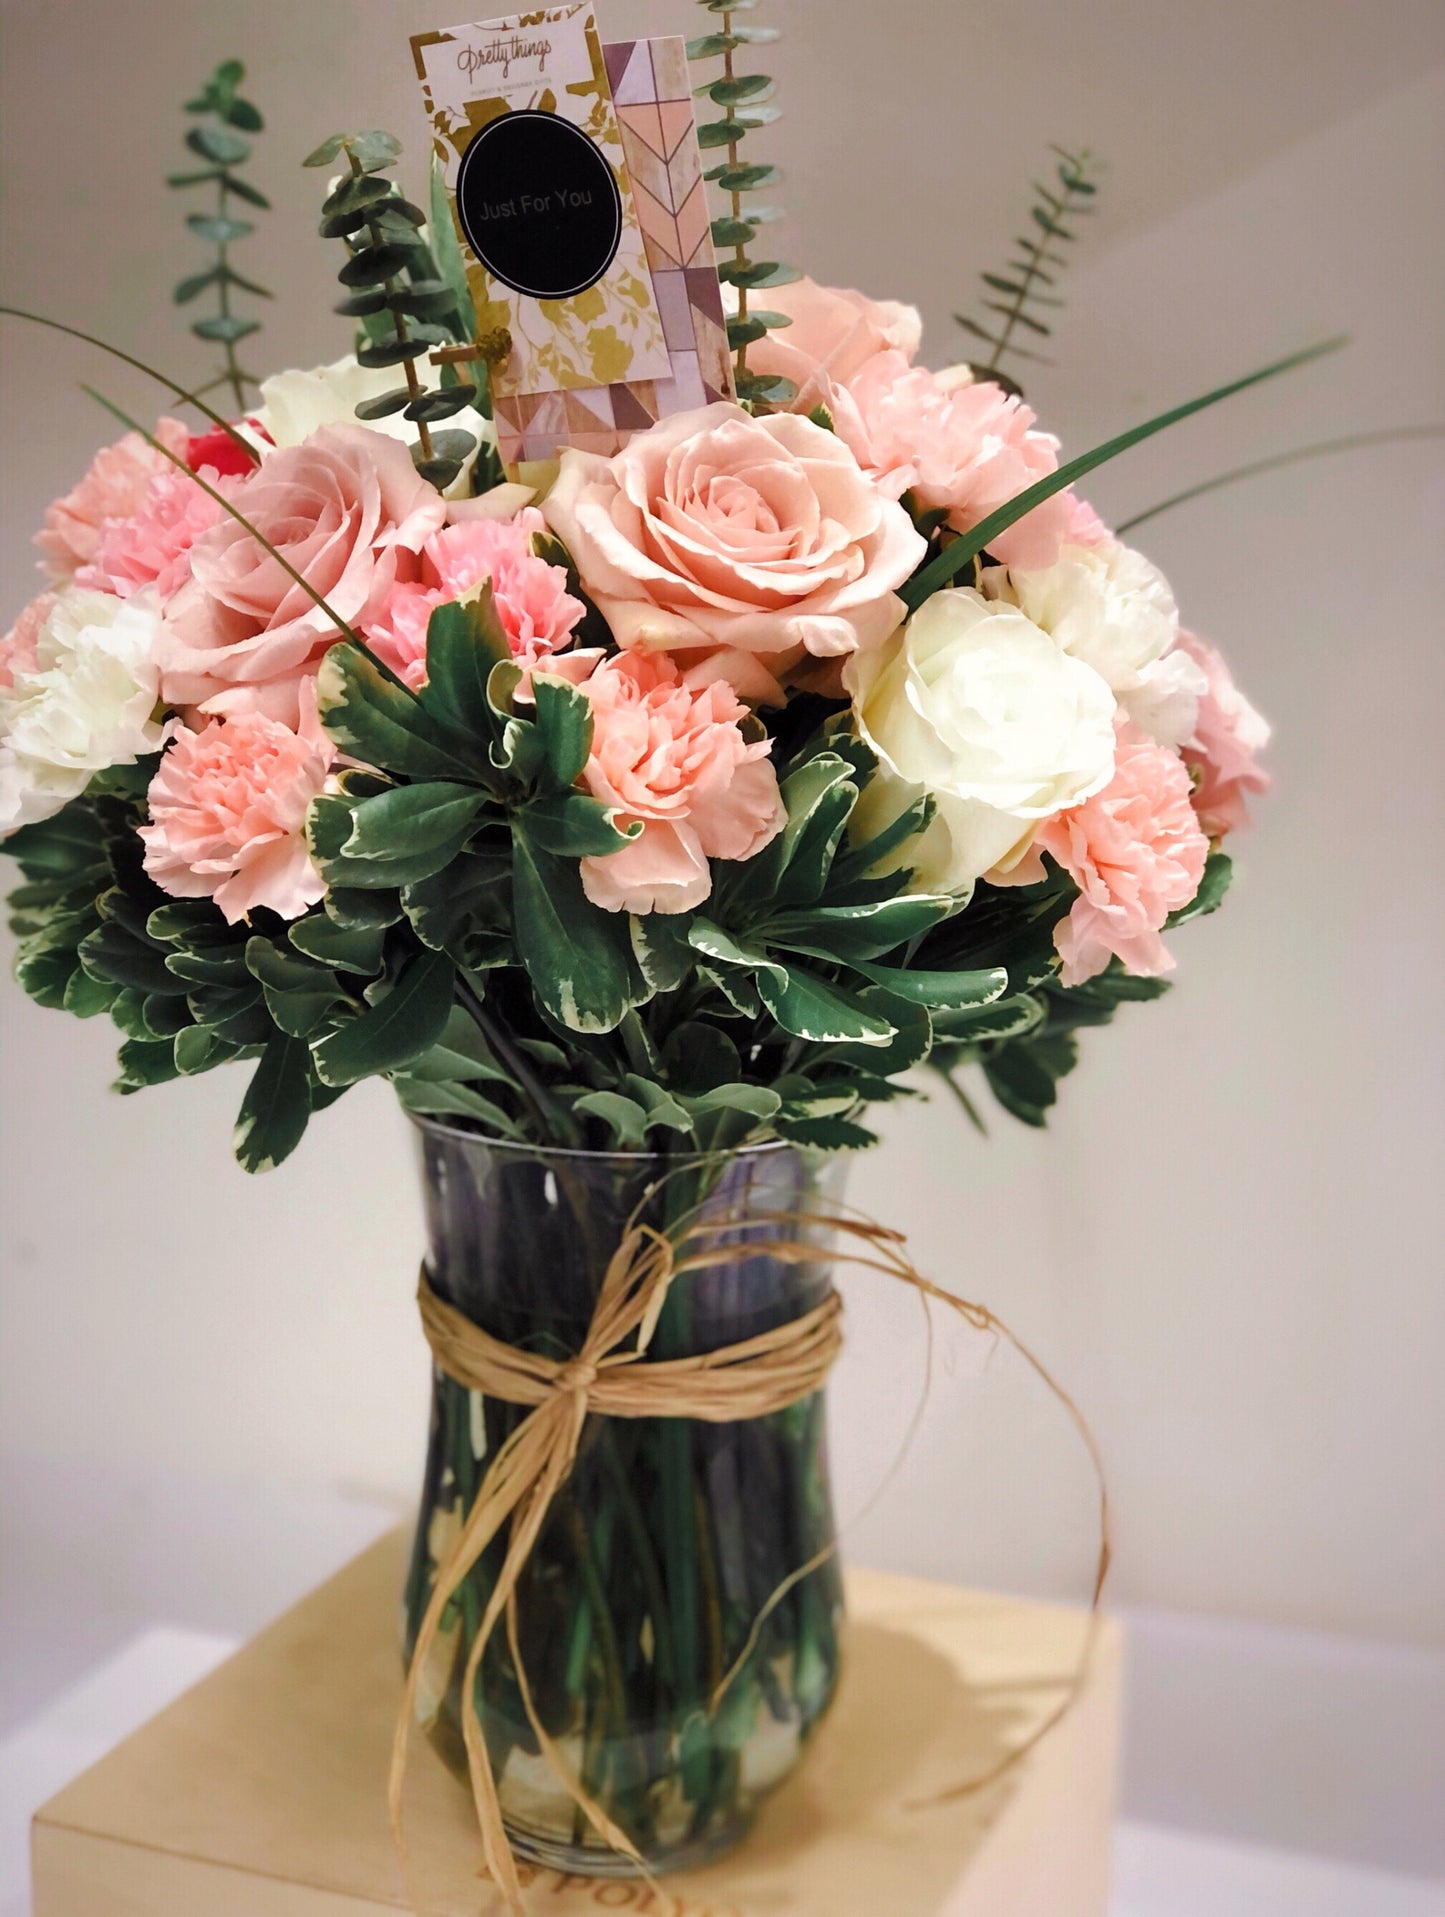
(1228,1243)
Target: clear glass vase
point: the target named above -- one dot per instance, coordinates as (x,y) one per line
(669,1536)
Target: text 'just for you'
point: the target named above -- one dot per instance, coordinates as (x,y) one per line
(528,205)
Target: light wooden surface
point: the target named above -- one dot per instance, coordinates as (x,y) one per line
(261,1793)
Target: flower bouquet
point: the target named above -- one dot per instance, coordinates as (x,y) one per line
(645,825)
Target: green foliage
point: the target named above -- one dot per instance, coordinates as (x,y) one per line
(223,118)
(407,287)
(1020,296)
(186,990)
(1026,1042)
(746,103)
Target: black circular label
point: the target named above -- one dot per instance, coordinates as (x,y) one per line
(539,205)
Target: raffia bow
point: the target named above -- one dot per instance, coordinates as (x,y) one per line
(607,1377)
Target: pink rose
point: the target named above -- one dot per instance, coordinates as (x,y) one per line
(19,647)
(1227,734)
(112,489)
(228,812)
(1137,854)
(675,760)
(536,610)
(755,541)
(348,511)
(961,446)
(153,546)
(835,332)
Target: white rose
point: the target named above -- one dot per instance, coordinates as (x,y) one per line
(295,403)
(88,704)
(973,704)
(1108,606)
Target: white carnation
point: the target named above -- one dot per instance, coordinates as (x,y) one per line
(88,704)
(972,703)
(1108,606)
(295,403)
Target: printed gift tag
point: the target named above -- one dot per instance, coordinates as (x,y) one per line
(530,255)
(532,155)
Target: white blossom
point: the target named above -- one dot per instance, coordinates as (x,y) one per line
(89,702)
(1108,606)
(974,705)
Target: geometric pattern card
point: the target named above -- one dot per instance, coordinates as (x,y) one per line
(653,105)
(532,155)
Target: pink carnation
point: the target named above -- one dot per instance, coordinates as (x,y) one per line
(676,761)
(960,446)
(153,546)
(112,489)
(1084,526)
(1227,734)
(228,813)
(537,612)
(1137,854)
(347,510)
(18,649)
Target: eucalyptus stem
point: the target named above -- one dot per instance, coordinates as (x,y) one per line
(740,251)
(224,117)
(398,318)
(233,375)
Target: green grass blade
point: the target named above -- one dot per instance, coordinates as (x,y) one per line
(945,566)
(1321,449)
(186,397)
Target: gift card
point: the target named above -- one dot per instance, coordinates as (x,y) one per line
(531,152)
(658,187)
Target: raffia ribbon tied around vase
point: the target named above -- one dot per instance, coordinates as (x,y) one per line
(611,1376)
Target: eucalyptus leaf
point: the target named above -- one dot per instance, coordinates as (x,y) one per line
(243,189)
(442,404)
(742,86)
(743,179)
(226,327)
(375,265)
(188,289)
(217,144)
(384,404)
(219,228)
(758,273)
